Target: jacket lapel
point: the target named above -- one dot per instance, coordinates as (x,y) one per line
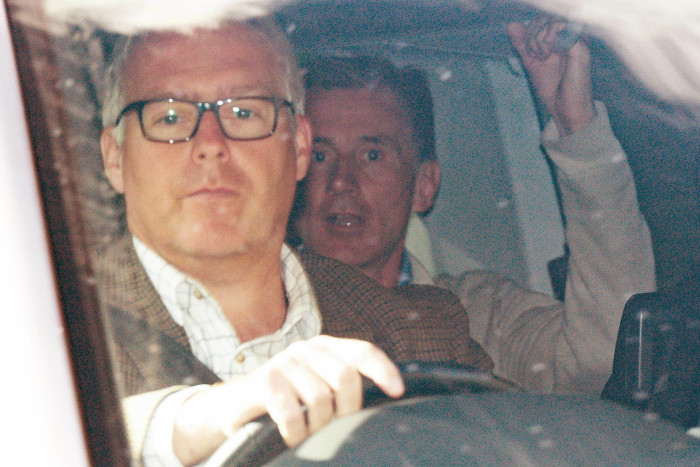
(142,326)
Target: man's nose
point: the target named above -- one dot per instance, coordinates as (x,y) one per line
(343,175)
(210,143)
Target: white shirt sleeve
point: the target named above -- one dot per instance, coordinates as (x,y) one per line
(158,443)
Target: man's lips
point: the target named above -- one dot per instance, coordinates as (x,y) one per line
(345,220)
(214,193)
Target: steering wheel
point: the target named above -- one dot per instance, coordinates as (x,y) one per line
(260,441)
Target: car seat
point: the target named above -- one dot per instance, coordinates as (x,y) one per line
(657,356)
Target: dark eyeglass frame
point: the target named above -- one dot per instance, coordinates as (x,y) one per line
(202,107)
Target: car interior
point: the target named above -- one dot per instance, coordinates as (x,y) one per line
(495,179)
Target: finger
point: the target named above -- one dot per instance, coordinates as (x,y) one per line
(550,42)
(309,380)
(539,42)
(580,55)
(524,40)
(368,359)
(542,36)
(535,25)
(375,365)
(341,378)
(518,37)
(282,403)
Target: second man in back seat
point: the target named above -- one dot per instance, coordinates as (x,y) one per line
(374,163)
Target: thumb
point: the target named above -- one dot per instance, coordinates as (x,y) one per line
(518,37)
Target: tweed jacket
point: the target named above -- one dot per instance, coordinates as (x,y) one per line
(153,353)
(409,323)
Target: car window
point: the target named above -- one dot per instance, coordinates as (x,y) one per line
(495,176)
(62,126)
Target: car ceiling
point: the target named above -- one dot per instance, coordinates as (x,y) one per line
(327,23)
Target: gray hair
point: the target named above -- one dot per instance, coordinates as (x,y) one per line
(114,99)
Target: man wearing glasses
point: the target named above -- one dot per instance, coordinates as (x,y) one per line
(216,322)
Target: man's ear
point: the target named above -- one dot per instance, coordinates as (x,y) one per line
(427,186)
(112,158)
(303,145)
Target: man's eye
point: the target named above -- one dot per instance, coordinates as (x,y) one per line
(171,118)
(319,156)
(241,113)
(373,155)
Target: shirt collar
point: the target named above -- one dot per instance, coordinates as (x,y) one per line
(406,271)
(166,279)
(300,296)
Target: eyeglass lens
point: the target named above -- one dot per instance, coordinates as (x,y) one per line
(178,120)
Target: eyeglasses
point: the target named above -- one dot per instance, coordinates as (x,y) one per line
(176,121)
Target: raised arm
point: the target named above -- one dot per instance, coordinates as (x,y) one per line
(609,242)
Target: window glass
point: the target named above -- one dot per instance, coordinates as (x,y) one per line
(498,206)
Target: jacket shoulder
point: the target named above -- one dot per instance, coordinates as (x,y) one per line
(415,322)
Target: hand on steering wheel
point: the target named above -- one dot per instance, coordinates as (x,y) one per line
(259,441)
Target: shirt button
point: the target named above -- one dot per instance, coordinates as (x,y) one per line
(240,358)
(198,294)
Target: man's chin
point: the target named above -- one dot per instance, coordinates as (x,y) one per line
(215,246)
(354,256)
(215,252)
